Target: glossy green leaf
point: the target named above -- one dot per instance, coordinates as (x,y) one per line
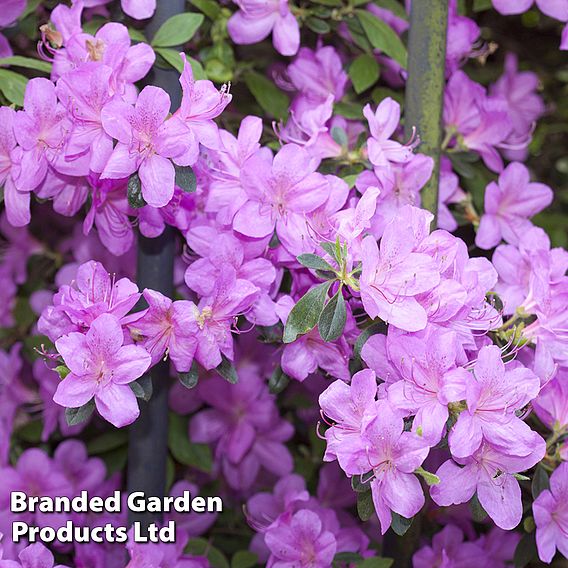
(178,30)
(13,86)
(27,62)
(271,99)
(382,37)
(305,314)
(333,317)
(364,72)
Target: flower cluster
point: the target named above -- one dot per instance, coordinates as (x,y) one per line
(318,313)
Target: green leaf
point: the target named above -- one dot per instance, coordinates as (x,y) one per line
(429,478)
(209,7)
(178,30)
(134,192)
(526,551)
(358,486)
(190,378)
(27,62)
(185,178)
(540,481)
(62,371)
(395,7)
(478,513)
(318,26)
(382,37)
(267,95)
(364,72)
(108,441)
(31,6)
(331,249)
(365,507)
(79,415)
(202,547)
(172,57)
(135,35)
(376,562)
(13,86)
(30,432)
(142,387)
(305,314)
(227,370)
(349,110)
(333,317)
(314,261)
(482,5)
(184,451)
(278,381)
(244,559)
(342,558)
(400,524)
(340,136)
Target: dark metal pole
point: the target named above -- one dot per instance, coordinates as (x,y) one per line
(148,436)
(425,85)
(423,110)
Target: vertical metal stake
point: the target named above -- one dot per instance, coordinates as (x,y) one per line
(425,85)
(148,436)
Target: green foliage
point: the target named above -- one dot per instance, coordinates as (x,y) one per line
(227,370)
(75,416)
(400,524)
(364,72)
(306,313)
(333,317)
(382,36)
(189,379)
(134,192)
(179,29)
(13,86)
(185,178)
(271,99)
(184,451)
(26,62)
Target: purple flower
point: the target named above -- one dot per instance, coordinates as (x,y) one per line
(200,104)
(213,317)
(11,10)
(92,292)
(302,541)
(255,20)
(426,362)
(101,367)
(167,327)
(84,92)
(41,130)
(147,139)
(508,205)
(318,74)
(351,407)
(382,151)
(280,191)
(491,474)
(493,394)
(392,456)
(449,550)
(33,556)
(550,512)
(239,415)
(554,8)
(139,9)
(17,202)
(393,274)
